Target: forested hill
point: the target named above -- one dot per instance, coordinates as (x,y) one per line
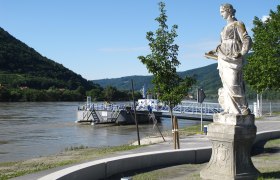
(21,65)
(207,78)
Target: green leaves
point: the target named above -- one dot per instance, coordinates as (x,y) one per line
(162,62)
(263,69)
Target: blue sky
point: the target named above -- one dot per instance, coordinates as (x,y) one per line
(103,38)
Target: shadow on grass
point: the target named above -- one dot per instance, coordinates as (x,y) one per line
(271,150)
(134,172)
(274,174)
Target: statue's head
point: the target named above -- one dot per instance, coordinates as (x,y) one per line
(228,8)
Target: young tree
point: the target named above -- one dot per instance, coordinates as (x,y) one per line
(162,63)
(263,69)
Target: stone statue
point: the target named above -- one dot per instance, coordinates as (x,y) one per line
(235,43)
(232,133)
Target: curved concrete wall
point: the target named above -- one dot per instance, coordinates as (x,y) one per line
(107,167)
(110,166)
(262,138)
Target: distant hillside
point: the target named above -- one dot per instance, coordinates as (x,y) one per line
(124,83)
(207,78)
(21,65)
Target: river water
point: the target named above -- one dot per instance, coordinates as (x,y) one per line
(34,129)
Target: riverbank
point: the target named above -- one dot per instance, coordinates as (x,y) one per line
(75,155)
(70,156)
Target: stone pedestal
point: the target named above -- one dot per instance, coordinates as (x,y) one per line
(232,137)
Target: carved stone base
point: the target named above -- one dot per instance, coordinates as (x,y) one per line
(232,137)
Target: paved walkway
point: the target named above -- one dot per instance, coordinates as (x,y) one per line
(268,123)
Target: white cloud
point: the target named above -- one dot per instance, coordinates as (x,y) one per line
(265,17)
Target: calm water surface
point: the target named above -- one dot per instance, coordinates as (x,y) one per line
(30,130)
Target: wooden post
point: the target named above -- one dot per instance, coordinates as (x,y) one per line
(160,133)
(152,115)
(135,117)
(177,132)
(270,112)
(174,132)
(201,119)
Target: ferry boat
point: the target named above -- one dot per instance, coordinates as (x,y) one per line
(119,114)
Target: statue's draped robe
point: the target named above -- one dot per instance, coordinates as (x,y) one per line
(234,40)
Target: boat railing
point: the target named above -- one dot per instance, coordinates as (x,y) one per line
(107,107)
(183,108)
(195,108)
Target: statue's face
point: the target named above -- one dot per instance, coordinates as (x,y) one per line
(224,13)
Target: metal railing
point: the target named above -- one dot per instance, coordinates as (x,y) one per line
(183,108)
